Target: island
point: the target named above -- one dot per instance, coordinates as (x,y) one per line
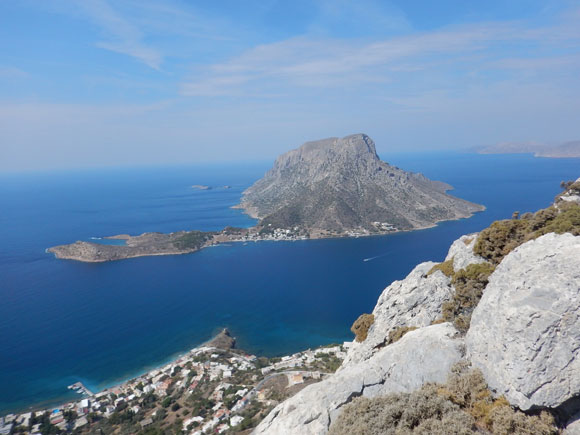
(561,151)
(335,187)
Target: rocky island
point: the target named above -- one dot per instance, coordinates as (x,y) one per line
(337,186)
(327,188)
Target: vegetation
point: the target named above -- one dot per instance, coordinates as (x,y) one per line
(397,334)
(191,240)
(446,267)
(360,327)
(502,237)
(469,284)
(463,405)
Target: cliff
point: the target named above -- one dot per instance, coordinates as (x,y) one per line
(339,185)
(485,342)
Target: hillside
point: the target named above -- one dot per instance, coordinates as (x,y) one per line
(485,342)
(340,185)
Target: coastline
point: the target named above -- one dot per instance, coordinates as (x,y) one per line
(90,252)
(238,382)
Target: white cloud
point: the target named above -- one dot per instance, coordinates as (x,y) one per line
(122,36)
(330,63)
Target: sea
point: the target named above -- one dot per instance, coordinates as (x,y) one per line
(64,321)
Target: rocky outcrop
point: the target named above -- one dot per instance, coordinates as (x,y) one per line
(525,332)
(424,355)
(414,301)
(461,251)
(340,185)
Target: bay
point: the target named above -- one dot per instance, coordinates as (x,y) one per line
(64,321)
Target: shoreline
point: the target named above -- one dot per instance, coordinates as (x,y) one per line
(49,404)
(215,366)
(90,252)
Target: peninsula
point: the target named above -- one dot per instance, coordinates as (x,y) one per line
(560,151)
(328,188)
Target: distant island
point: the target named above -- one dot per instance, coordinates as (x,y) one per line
(565,150)
(328,188)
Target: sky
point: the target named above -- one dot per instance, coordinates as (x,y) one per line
(140,82)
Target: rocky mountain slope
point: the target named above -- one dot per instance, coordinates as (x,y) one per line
(339,185)
(486,342)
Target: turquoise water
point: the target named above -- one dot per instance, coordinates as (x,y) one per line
(64,321)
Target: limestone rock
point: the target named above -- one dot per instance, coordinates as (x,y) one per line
(414,301)
(573,425)
(462,252)
(423,355)
(525,332)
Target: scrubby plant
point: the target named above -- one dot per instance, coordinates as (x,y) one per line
(420,412)
(469,284)
(360,327)
(502,237)
(463,405)
(397,333)
(446,267)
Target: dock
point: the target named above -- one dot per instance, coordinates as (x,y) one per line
(80,388)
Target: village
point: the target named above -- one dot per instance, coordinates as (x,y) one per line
(208,390)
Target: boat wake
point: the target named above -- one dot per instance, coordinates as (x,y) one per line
(375,257)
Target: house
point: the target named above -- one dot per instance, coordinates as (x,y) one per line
(80,422)
(294,379)
(146,422)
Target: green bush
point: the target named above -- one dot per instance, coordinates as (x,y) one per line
(469,284)
(446,267)
(502,237)
(360,327)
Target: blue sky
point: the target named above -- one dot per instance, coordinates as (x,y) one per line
(103,82)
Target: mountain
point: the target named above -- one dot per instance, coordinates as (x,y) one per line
(565,150)
(339,185)
(485,342)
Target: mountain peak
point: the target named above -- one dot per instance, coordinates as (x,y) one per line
(338,185)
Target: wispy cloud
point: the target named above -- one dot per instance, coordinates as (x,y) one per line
(331,63)
(121,35)
(9,72)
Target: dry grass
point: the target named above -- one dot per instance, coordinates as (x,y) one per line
(360,327)
(446,267)
(463,405)
(396,334)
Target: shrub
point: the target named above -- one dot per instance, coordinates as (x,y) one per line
(463,405)
(502,237)
(469,284)
(422,411)
(360,327)
(397,334)
(446,267)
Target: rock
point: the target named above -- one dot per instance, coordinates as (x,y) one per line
(414,301)
(525,332)
(223,340)
(423,355)
(462,252)
(340,185)
(573,426)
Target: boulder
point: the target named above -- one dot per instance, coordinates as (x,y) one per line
(525,332)
(423,355)
(461,251)
(414,301)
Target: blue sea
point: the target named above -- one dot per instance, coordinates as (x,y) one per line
(65,321)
